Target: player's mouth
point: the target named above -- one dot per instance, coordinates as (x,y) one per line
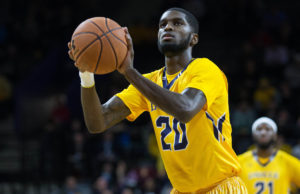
(264,139)
(167,37)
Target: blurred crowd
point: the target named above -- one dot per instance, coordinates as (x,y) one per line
(40,89)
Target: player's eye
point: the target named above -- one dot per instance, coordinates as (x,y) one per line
(162,25)
(177,23)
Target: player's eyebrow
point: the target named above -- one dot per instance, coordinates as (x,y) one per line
(172,19)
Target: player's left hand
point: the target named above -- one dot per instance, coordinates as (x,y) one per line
(73,58)
(128,61)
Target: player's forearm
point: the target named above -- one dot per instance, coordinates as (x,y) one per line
(173,103)
(92,110)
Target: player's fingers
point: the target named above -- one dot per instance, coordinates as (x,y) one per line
(128,40)
(71,55)
(127,36)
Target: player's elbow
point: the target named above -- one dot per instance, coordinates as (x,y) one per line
(94,128)
(185,112)
(184,116)
(184,119)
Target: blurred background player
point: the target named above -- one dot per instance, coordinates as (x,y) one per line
(267,169)
(188,104)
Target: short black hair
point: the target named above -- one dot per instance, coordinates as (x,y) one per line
(191,19)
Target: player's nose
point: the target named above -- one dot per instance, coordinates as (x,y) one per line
(168,27)
(263,132)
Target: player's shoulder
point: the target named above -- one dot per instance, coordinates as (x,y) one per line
(202,65)
(154,74)
(245,156)
(202,61)
(286,157)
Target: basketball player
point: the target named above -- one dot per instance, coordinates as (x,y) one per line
(266,169)
(188,104)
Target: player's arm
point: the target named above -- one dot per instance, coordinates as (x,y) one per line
(99,117)
(183,106)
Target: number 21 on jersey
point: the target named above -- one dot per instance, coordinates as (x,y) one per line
(261,186)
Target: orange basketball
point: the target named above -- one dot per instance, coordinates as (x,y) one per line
(98,45)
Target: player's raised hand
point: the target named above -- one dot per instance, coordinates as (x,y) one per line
(72,57)
(128,61)
(70,51)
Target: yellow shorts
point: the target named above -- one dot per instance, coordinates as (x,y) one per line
(232,185)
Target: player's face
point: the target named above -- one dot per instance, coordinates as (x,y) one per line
(174,35)
(264,136)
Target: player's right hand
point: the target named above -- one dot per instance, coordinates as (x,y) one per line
(72,57)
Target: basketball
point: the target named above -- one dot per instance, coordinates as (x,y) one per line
(99,45)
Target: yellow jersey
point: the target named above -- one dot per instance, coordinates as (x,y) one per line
(272,175)
(197,155)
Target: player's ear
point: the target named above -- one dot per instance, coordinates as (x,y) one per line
(195,39)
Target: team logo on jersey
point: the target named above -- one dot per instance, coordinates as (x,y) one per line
(153,107)
(270,175)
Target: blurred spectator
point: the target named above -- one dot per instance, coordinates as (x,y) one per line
(132,178)
(121,171)
(149,186)
(127,190)
(124,139)
(71,186)
(265,95)
(108,153)
(276,55)
(107,171)
(242,118)
(101,186)
(75,126)
(52,152)
(61,113)
(76,154)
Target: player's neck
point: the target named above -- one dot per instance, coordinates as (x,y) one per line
(264,153)
(178,62)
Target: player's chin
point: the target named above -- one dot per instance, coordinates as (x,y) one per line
(168,45)
(265,144)
(264,139)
